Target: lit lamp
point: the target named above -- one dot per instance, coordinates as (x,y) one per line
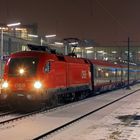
(31,35)
(50,36)
(41,40)
(36,36)
(13,25)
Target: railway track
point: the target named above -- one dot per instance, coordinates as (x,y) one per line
(14,116)
(58,108)
(3,114)
(3,107)
(62,127)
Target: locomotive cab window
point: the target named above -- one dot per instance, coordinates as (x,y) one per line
(48,67)
(23,66)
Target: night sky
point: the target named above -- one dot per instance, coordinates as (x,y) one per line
(101,20)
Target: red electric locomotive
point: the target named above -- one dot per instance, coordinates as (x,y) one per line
(40,76)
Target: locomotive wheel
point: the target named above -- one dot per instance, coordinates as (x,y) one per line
(70,97)
(52,101)
(81,95)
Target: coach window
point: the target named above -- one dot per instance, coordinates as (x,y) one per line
(47,67)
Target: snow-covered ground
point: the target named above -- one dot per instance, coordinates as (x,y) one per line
(120,121)
(115,122)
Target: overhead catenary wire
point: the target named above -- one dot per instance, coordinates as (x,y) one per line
(113,17)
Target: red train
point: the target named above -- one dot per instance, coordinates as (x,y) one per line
(39,76)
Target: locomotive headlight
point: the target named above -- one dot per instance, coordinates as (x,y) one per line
(37,85)
(5,85)
(21,71)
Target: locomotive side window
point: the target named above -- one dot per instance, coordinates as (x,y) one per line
(48,67)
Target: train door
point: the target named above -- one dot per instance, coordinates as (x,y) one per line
(92,70)
(60,74)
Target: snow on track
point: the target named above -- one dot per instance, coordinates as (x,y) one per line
(41,123)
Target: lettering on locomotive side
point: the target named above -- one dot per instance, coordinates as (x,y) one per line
(84,74)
